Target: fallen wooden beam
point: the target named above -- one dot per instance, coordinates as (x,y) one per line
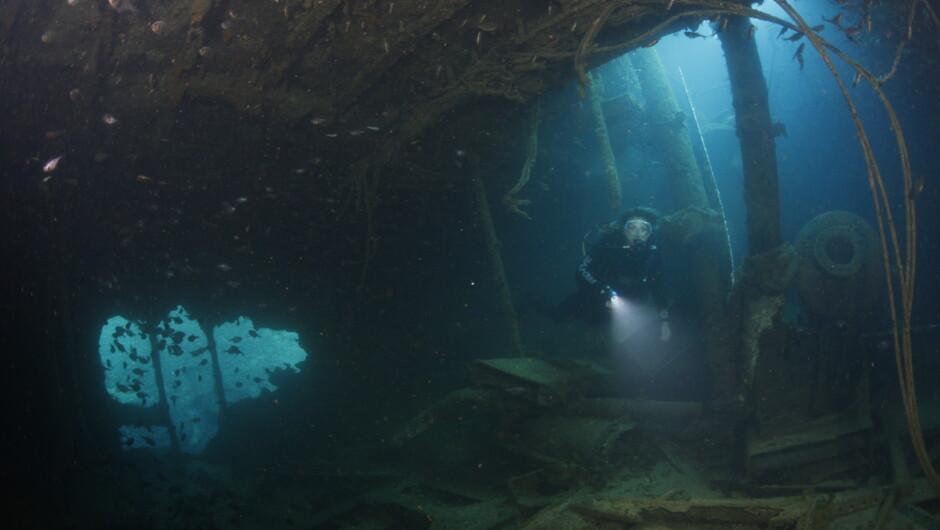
(773,512)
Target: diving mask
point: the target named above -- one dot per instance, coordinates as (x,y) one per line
(637,232)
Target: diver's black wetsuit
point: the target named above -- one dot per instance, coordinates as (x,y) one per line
(634,273)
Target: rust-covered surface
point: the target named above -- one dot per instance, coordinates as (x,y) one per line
(374,73)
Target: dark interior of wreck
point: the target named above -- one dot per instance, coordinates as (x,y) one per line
(378,141)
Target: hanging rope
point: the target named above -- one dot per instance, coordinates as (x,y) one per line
(708,174)
(509,200)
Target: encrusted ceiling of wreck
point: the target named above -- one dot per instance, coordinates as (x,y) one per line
(381,71)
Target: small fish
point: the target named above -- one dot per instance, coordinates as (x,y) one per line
(669,5)
(75,94)
(356,132)
(480,36)
(651,43)
(318,121)
(224,267)
(204,51)
(149,441)
(53,163)
(782,31)
(858,77)
(203,362)
(818,28)
(723,25)
(54,134)
(834,20)
(196,420)
(750,31)
(799,54)
(109,119)
(159,27)
(234,350)
(693,35)
(235,340)
(852,32)
(143,178)
(866,22)
(177,320)
(916,188)
(139,371)
(191,338)
(253,333)
(795,37)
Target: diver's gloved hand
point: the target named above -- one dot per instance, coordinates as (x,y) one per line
(665,332)
(607,292)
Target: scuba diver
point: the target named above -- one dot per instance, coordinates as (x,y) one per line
(620,261)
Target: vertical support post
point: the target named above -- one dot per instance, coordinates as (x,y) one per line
(596,96)
(760,296)
(755,132)
(667,132)
(508,310)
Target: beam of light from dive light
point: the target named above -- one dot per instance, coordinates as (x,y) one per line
(620,317)
(628,317)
